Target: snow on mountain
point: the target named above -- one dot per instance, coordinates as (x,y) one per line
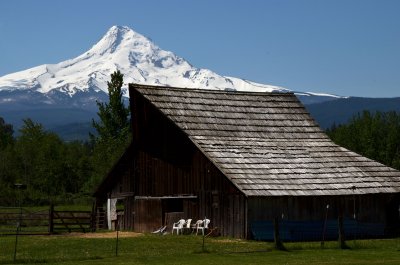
(64,95)
(138,58)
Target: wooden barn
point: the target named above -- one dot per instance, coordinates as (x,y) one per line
(240,159)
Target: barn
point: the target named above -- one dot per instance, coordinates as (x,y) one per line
(241,159)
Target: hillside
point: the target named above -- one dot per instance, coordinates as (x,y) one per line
(340,111)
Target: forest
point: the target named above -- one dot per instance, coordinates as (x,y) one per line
(59,172)
(373,135)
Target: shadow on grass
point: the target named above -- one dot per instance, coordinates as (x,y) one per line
(202,251)
(249,251)
(206,251)
(25,261)
(44,261)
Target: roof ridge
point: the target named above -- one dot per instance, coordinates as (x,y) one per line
(216,91)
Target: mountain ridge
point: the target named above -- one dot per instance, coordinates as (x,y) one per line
(137,57)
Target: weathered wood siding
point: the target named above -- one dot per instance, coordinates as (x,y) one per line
(148,215)
(374,208)
(217,199)
(167,163)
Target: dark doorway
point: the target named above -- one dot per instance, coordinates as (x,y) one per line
(170,206)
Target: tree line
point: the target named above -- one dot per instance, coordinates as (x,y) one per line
(375,135)
(55,171)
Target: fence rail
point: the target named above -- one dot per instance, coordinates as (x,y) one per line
(44,221)
(62,221)
(29,222)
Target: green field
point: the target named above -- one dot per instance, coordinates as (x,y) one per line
(188,249)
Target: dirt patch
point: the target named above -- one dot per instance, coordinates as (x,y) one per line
(103,235)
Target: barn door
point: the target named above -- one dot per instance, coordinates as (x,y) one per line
(148,215)
(172,211)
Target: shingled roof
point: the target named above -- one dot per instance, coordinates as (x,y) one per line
(267,144)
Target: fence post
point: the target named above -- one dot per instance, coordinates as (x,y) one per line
(51,219)
(93,217)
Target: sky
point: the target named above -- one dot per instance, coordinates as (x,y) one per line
(341,47)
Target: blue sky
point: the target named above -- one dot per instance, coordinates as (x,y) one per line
(343,47)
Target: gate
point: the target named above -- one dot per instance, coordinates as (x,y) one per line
(69,221)
(44,222)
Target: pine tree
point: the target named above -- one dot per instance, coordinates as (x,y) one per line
(114,116)
(374,135)
(6,159)
(113,129)
(6,134)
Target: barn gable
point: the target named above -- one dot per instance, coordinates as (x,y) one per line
(267,144)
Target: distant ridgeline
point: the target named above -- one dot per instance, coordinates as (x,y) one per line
(340,111)
(375,135)
(75,123)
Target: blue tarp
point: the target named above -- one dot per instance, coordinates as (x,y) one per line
(314,230)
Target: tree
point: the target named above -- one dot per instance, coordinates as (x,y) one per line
(7,159)
(374,135)
(113,128)
(114,116)
(53,170)
(6,134)
(40,155)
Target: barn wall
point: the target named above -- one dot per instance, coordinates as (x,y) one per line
(374,208)
(167,163)
(217,199)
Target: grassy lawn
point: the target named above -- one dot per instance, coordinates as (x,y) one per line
(153,249)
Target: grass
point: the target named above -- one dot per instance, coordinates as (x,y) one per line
(172,249)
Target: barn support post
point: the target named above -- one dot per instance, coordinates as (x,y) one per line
(324,228)
(342,241)
(277,240)
(109,213)
(246,216)
(93,217)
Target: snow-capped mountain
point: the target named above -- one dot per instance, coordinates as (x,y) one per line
(138,58)
(77,83)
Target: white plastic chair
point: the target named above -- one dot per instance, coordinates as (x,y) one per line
(203,225)
(187,225)
(160,231)
(196,225)
(178,226)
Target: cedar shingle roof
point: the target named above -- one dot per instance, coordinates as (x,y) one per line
(267,144)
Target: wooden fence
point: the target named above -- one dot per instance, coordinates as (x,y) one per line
(69,221)
(28,222)
(44,221)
